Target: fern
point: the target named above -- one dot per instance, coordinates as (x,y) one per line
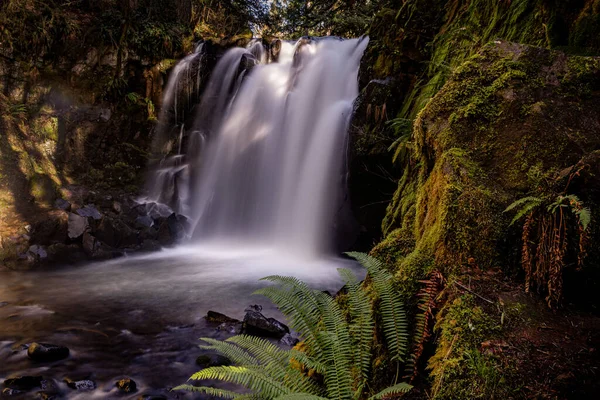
(334,360)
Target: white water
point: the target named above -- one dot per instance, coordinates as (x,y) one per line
(263,166)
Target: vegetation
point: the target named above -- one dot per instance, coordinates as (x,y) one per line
(335,360)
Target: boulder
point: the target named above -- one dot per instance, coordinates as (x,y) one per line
(126,385)
(24,383)
(8,392)
(289,340)
(115,233)
(258,325)
(77,225)
(39,252)
(89,211)
(233,328)
(45,352)
(149,245)
(176,226)
(144,221)
(62,204)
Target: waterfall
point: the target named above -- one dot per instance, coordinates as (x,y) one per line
(263,163)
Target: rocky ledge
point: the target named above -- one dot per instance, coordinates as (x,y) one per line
(104,227)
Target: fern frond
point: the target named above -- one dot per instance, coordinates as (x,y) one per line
(527,208)
(251,377)
(585,217)
(226,394)
(392,391)
(524,200)
(393,315)
(236,354)
(300,396)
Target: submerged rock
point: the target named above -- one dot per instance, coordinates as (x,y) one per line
(257,324)
(126,385)
(24,383)
(45,352)
(83,385)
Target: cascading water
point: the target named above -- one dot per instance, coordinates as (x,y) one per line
(264,160)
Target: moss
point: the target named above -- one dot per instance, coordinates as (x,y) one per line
(460,369)
(43,189)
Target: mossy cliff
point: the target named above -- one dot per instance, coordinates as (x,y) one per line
(511,121)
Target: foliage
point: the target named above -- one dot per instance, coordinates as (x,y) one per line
(335,359)
(547,231)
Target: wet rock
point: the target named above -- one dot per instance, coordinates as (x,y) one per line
(83,385)
(212,360)
(3,304)
(150,245)
(152,397)
(289,340)
(218,318)
(8,392)
(49,386)
(89,244)
(24,383)
(145,221)
(89,211)
(62,204)
(45,352)
(63,253)
(176,226)
(233,328)
(254,307)
(48,395)
(115,233)
(77,225)
(126,385)
(257,324)
(157,211)
(51,230)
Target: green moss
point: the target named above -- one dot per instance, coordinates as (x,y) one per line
(43,189)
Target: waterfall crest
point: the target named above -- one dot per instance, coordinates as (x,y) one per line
(262,165)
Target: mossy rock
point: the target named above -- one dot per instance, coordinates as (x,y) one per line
(506,124)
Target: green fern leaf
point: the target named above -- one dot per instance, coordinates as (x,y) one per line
(392,391)
(236,354)
(300,396)
(251,377)
(524,200)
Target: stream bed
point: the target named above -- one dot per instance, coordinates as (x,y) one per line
(137,317)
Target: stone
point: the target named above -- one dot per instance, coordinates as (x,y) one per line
(233,328)
(45,352)
(62,204)
(257,324)
(289,340)
(176,227)
(43,395)
(115,233)
(144,221)
(49,386)
(63,253)
(8,392)
(39,252)
(83,385)
(24,383)
(152,397)
(117,207)
(157,211)
(212,360)
(216,317)
(105,114)
(50,230)
(149,245)
(89,211)
(126,385)
(77,225)
(89,244)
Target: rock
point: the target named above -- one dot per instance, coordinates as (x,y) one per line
(145,221)
(43,395)
(49,386)
(152,397)
(255,307)
(62,204)
(89,211)
(212,360)
(105,114)
(83,385)
(77,225)
(126,385)
(176,226)
(289,340)
(115,233)
(24,383)
(39,252)
(89,244)
(234,328)
(63,253)
(218,318)
(116,207)
(157,211)
(150,245)
(52,229)
(8,392)
(45,352)
(257,324)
